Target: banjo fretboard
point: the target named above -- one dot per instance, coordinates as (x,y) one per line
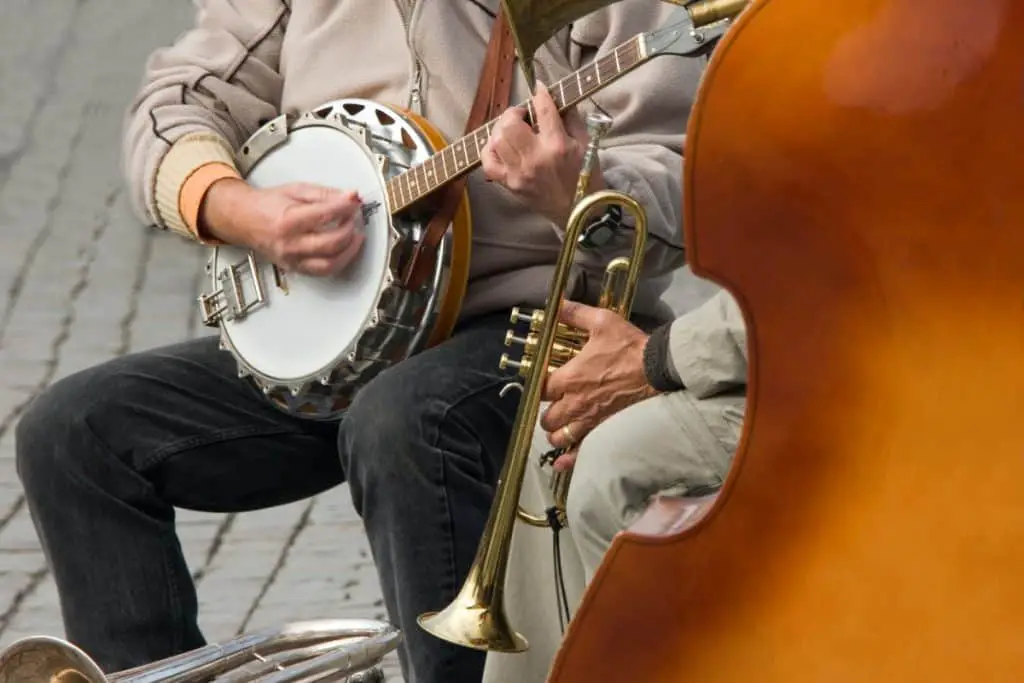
(463,155)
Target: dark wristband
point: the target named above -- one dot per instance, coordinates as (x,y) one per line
(656,361)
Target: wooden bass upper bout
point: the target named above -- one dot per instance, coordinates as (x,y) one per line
(855,176)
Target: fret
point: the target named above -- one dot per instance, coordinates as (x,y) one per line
(453,166)
(431,169)
(398,189)
(444,174)
(587,75)
(413,185)
(460,148)
(479,141)
(420,174)
(561,93)
(406,187)
(615,53)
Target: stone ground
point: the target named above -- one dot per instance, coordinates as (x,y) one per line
(84,283)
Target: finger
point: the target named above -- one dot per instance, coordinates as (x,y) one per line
(581,316)
(349,253)
(565,461)
(341,208)
(556,385)
(559,438)
(507,154)
(511,128)
(317,266)
(559,414)
(511,118)
(321,244)
(315,194)
(493,167)
(547,118)
(324,266)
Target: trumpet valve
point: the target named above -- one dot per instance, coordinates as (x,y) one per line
(523,366)
(534,317)
(511,338)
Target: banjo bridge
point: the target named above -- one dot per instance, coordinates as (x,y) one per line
(230,301)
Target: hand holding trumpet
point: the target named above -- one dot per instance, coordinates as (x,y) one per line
(607,376)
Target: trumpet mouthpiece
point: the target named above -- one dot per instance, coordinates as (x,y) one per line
(598,125)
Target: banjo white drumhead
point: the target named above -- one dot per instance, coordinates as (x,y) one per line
(303,332)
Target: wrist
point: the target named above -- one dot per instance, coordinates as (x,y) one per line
(222,209)
(656,361)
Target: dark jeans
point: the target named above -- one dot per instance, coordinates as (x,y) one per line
(106,454)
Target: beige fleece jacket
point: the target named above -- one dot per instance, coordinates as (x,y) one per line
(246,61)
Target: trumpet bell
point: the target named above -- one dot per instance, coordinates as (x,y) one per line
(470,622)
(43,659)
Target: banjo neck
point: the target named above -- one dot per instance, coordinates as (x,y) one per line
(463,155)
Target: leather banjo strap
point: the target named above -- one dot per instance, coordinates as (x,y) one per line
(492,98)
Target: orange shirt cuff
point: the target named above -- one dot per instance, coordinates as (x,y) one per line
(194,189)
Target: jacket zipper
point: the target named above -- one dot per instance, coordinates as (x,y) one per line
(406,8)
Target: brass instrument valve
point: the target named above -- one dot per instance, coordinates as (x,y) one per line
(522,366)
(535,318)
(562,331)
(561,352)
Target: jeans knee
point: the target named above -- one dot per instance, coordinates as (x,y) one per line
(381,430)
(46,434)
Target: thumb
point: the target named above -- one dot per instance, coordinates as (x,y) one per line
(336,208)
(575,314)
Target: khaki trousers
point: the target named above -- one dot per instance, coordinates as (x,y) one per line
(668,444)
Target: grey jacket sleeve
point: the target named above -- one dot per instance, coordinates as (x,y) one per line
(704,350)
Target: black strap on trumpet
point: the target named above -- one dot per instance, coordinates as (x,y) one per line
(555,522)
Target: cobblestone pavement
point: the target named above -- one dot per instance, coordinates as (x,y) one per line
(84,283)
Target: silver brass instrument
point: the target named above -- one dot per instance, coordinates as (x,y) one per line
(477,618)
(320,650)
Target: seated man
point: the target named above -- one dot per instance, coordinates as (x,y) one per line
(108,454)
(640,415)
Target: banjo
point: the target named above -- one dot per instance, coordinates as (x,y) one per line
(309,343)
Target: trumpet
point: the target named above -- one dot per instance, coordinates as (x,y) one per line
(477,618)
(318,650)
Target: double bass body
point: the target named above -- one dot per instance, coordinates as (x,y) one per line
(855,177)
